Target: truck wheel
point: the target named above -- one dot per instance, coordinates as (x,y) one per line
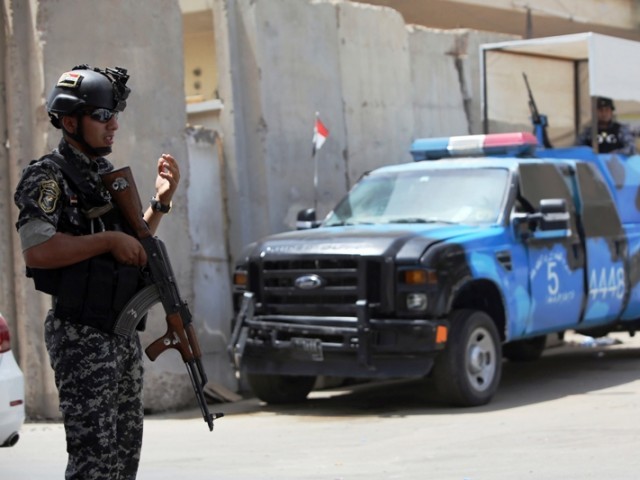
(527,350)
(467,372)
(277,389)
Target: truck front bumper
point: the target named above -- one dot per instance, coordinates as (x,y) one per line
(359,346)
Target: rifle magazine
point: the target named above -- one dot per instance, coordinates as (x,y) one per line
(135,309)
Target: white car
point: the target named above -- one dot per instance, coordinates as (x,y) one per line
(11,390)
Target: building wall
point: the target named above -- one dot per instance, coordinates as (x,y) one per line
(199,61)
(540,18)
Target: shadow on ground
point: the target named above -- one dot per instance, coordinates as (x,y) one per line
(562,371)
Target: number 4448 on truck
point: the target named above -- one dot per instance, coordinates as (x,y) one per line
(442,267)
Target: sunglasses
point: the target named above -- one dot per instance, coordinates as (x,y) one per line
(102,115)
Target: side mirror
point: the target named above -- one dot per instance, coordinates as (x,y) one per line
(552,220)
(306,219)
(555,215)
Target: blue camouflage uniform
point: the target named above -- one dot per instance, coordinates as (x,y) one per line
(616,138)
(98,374)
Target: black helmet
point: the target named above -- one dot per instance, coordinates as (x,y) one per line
(85,86)
(603,102)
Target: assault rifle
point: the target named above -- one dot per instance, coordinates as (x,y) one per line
(539,121)
(180,333)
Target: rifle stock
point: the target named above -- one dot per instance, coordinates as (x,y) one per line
(124,192)
(180,334)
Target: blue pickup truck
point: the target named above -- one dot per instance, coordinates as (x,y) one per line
(442,267)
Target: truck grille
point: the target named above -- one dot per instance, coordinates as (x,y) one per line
(317,286)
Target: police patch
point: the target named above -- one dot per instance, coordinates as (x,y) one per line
(49,195)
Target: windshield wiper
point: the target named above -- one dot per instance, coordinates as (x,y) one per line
(347,223)
(422,220)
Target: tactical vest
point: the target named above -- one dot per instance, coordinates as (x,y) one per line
(94,291)
(609,139)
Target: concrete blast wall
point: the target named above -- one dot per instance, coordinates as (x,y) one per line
(23,138)
(377,84)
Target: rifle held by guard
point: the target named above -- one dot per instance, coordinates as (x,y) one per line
(180,334)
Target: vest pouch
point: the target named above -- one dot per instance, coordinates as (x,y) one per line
(93,292)
(97,310)
(71,291)
(46,280)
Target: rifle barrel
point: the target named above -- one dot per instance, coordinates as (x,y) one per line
(198,382)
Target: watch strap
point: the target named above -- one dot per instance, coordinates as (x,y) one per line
(160,207)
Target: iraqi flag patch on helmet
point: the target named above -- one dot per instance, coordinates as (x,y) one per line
(69,80)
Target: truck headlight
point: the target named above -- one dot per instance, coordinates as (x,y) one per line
(417,302)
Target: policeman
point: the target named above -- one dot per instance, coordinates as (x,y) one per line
(613,137)
(78,249)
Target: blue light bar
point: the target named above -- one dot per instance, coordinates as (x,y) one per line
(519,143)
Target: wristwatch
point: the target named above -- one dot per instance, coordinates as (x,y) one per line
(156,206)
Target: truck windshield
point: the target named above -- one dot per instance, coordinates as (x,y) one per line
(472,196)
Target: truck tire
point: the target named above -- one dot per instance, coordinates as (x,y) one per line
(467,372)
(279,389)
(527,350)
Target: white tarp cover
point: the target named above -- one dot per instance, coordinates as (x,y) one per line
(564,72)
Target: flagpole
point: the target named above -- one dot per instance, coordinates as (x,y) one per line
(315,173)
(320,134)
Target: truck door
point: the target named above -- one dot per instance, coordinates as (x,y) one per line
(556,263)
(606,248)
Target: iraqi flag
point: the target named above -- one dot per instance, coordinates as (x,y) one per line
(320,134)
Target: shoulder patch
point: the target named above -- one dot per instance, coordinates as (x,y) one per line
(49,195)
